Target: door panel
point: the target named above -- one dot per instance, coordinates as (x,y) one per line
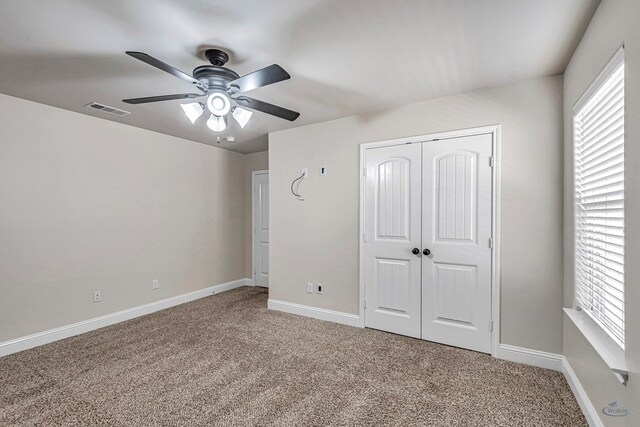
(456,174)
(261,229)
(392,224)
(454,283)
(456,215)
(264,260)
(393,286)
(394,201)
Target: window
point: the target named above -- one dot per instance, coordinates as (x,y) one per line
(599,197)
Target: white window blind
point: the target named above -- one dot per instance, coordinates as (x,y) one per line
(599,192)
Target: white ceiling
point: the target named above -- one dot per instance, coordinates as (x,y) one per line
(345,57)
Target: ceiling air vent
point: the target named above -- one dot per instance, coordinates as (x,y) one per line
(105,108)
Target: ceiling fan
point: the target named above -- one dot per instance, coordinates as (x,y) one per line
(221,86)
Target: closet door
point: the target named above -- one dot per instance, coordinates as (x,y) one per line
(456,229)
(392,247)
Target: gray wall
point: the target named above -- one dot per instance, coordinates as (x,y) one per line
(252,162)
(317,240)
(92,204)
(616,22)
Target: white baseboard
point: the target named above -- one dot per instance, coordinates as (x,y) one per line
(589,411)
(316,313)
(527,356)
(41,338)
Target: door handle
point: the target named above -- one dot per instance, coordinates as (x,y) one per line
(426,252)
(415,251)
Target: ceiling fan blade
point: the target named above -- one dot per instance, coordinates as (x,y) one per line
(161,98)
(265,107)
(264,77)
(166,68)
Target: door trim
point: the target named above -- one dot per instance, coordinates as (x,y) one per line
(495,131)
(253,219)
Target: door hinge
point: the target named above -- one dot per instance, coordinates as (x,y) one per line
(490,243)
(491,326)
(365,304)
(491,162)
(364,172)
(364,237)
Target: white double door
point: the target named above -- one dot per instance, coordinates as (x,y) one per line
(428,214)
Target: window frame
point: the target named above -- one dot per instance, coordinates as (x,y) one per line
(608,349)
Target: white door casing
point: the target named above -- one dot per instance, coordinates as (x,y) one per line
(260,184)
(392,215)
(456,228)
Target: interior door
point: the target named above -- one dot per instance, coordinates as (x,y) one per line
(392,224)
(456,229)
(261,228)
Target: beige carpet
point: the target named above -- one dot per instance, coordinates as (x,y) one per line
(227,360)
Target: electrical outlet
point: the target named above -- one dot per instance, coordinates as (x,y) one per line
(155,284)
(305,172)
(310,288)
(97,296)
(319,288)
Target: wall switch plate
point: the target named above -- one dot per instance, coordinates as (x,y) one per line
(305,172)
(155,284)
(310,288)
(319,288)
(323,170)
(97,296)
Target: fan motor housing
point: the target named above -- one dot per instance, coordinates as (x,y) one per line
(214,77)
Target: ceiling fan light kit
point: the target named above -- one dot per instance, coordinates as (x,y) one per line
(193,110)
(221,86)
(241,115)
(218,103)
(217,123)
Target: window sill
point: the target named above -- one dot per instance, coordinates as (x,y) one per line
(608,351)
